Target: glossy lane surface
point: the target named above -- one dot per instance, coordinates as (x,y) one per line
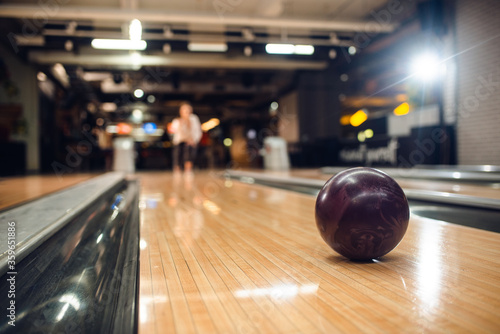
(220,256)
(16,190)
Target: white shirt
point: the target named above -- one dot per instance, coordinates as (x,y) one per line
(186,131)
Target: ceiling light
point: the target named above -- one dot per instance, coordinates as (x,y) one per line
(402,109)
(151,98)
(167,48)
(207,47)
(345,120)
(138,93)
(137,115)
(247,51)
(289,49)
(135,30)
(426,67)
(108,106)
(210,124)
(68,45)
(304,50)
(60,74)
(358,118)
(332,54)
(352,50)
(118,44)
(280,48)
(361,136)
(41,76)
(135,58)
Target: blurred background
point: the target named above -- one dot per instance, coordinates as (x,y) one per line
(276,84)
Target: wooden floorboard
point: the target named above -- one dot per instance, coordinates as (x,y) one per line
(228,257)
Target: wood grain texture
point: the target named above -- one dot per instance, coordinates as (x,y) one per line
(18,190)
(219,256)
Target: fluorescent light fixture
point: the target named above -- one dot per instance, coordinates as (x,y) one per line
(304,50)
(118,44)
(280,49)
(288,49)
(207,47)
(135,30)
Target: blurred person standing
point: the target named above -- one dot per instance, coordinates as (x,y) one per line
(186,131)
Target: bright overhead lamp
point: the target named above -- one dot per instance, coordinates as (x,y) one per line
(135,30)
(402,109)
(303,50)
(118,44)
(138,93)
(207,47)
(288,49)
(280,49)
(210,124)
(358,118)
(426,67)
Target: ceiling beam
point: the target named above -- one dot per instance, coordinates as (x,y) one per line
(206,37)
(123,61)
(124,15)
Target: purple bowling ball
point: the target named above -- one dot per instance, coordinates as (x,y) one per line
(362,213)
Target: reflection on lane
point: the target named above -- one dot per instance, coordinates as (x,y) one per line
(485,219)
(478,218)
(430,264)
(282,291)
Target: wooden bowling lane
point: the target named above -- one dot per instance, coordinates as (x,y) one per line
(17,190)
(221,256)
